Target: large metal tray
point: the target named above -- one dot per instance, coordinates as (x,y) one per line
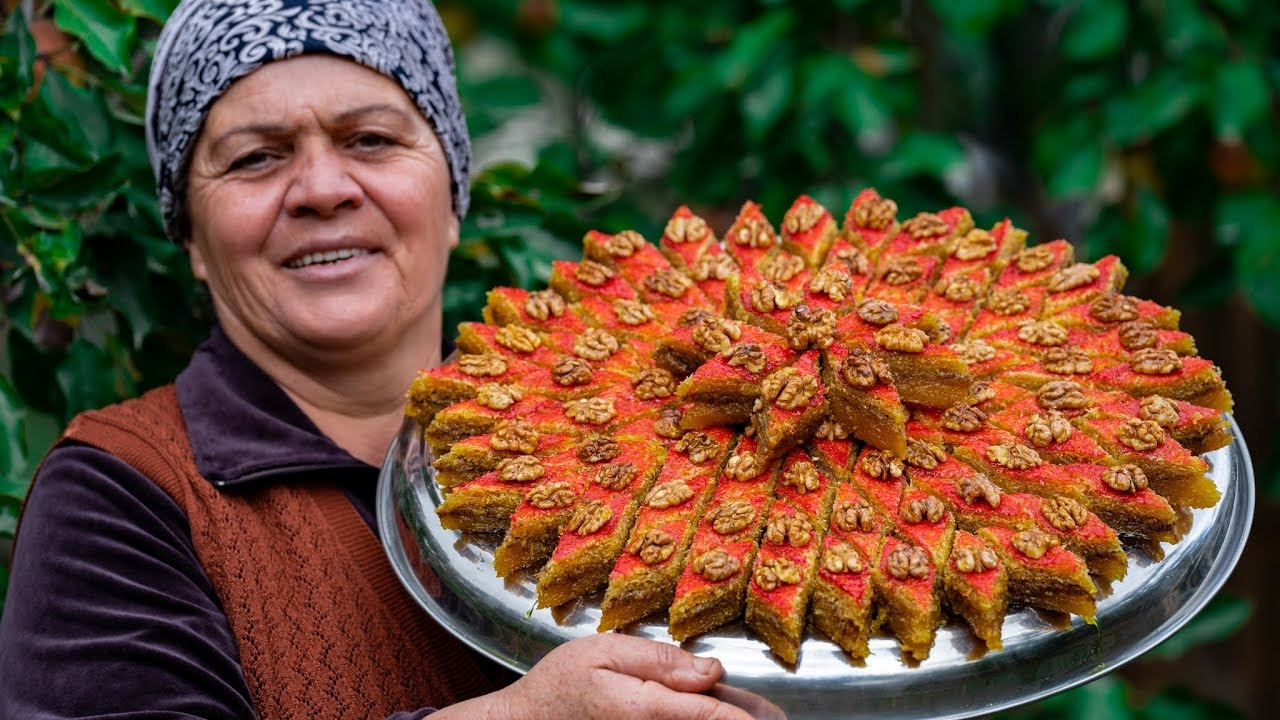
(451,576)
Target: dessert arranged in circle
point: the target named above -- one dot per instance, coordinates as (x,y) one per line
(874,425)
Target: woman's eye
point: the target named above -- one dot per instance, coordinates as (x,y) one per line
(371,141)
(250,161)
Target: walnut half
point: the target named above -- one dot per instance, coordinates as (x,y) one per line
(589,517)
(716,565)
(776,572)
(802,476)
(1064,513)
(1033,543)
(731,516)
(1141,435)
(699,446)
(854,516)
(555,494)
(907,561)
(794,530)
(974,560)
(842,557)
(669,494)
(654,546)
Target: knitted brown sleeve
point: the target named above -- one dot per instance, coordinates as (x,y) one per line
(322,625)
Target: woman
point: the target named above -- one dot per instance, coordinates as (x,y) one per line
(207,550)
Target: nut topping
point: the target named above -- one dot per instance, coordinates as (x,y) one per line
(654,546)
(926,509)
(802,476)
(515,436)
(1155,361)
(973,488)
(570,371)
(882,465)
(731,516)
(669,282)
(518,338)
(901,338)
(543,304)
(592,273)
(1113,308)
(1141,435)
(1125,478)
(754,232)
(1034,259)
(685,228)
(854,259)
(716,334)
(498,397)
(877,312)
(1064,513)
(811,327)
(963,418)
(633,312)
(595,344)
(596,448)
(693,316)
(716,565)
(522,468)
(1137,334)
(794,530)
(781,267)
(1067,361)
(668,423)
(589,517)
(926,225)
(713,266)
(1008,301)
(700,446)
(802,217)
(767,296)
(1045,430)
(668,494)
(841,557)
(746,355)
(789,389)
(1033,543)
(831,430)
(979,393)
(977,243)
(1046,333)
(861,369)
(834,284)
(481,365)
(923,454)
(974,352)
(1160,409)
(902,271)
(974,560)
(616,476)
(908,561)
(653,382)
(742,466)
(855,516)
(1072,277)
(775,572)
(624,244)
(958,288)
(592,411)
(1061,395)
(555,494)
(875,214)
(1014,456)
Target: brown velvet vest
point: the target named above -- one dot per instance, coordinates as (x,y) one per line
(323,626)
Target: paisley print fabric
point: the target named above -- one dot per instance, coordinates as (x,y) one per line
(208,44)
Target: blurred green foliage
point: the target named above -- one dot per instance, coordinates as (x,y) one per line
(1120,125)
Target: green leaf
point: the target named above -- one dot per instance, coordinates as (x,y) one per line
(107,33)
(1096,29)
(1161,100)
(1079,173)
(861,107)
(1242,98)
(1245,222)
(1143,246)
(1220,619)
(1180,704)
(605,23)
(922,153)
(751,47)
(764,104)
(14,461)
(17,54)
(974,17)
(1107,697)
(155,10)
(90,377)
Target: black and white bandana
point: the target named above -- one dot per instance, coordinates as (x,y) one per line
(208,44)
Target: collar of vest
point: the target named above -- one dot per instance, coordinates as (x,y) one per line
(245,429)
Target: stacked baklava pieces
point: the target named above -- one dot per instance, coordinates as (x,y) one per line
(867,425)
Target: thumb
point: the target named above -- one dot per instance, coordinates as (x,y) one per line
(659,662)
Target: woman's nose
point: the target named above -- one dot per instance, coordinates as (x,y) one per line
(322,185)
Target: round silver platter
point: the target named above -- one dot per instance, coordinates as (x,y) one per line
(452,577)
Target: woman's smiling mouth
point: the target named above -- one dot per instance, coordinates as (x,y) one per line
(328,256)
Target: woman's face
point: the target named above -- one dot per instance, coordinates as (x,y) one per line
(320,208)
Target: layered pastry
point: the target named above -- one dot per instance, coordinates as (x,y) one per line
(880,424)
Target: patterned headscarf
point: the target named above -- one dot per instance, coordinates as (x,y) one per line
(208,44)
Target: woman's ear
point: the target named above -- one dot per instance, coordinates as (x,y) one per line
(455,229)
(198,267)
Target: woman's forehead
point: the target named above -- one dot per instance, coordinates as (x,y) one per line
(326,88)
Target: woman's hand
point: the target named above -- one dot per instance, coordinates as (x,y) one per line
(620,677)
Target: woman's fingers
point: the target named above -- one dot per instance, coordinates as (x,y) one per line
(754,705)
(658,662)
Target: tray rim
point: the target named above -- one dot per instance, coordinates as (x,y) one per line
(517,649)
